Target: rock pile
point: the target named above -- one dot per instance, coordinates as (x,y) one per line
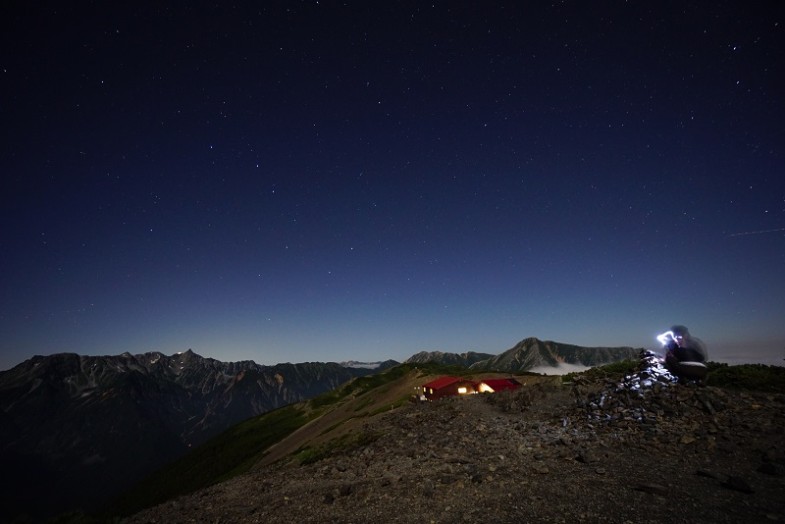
(646,396)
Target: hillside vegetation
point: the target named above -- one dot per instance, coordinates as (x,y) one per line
(241,447)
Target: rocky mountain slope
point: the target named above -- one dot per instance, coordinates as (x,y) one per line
(643,449)
(530,353)
(449,359)
(75,430)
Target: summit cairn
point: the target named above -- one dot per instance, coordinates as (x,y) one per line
(646,396)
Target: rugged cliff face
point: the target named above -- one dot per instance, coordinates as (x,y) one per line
(75,430)
(448,359)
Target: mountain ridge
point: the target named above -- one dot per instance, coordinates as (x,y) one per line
(465,359)
(531,353)
(72,419)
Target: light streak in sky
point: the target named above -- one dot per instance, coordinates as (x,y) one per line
(745,233)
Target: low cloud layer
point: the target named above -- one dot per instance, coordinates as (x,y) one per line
(561,369)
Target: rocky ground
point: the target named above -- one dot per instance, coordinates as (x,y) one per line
(641,450)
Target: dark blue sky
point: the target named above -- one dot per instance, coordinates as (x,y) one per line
(299,181)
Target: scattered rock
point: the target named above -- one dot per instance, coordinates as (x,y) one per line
(687,439)
(540,468)
(655,489)
(427,487)
(769,468)
(738,484)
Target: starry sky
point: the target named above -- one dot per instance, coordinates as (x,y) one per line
(325,181)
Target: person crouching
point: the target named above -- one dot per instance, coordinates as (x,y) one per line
(686,356)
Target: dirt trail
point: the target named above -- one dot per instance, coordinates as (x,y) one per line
(345,418)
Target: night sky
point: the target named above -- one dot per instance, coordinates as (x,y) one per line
(325,181)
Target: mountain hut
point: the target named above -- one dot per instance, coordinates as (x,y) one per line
(448,387)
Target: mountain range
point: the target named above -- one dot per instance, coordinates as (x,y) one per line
(77,430)
(528,354)
(80,429)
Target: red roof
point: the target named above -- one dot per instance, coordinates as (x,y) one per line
(500,384)
(441,382)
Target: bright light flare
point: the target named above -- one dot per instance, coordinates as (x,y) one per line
(666,337)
